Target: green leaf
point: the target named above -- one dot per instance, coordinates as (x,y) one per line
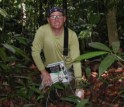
(3,12)
(5,67)
(16,51)
(22,92)
(21,77)
(22,40)
(21,53)
(28,105)
(11,58)
(84,34)
(99,46)
(73,99)
(90,55)
(3,54)
(40,97)
(106,63)
(88,72)
(115,46)
(94,18)
(9,47)
(35,89)
(83,103)
(57,86)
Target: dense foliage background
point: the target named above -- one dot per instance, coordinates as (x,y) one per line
(89,16)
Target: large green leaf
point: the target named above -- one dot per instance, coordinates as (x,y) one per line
(94,18)
(115,46)
(21,53)
(83,103)
(16,51)
(9,47)
(90,55)
(22,40)
(99,46)
(106,63)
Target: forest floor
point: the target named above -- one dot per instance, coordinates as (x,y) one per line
(105,92)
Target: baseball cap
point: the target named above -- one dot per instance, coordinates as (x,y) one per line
(54,9)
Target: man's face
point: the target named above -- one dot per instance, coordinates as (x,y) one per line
(56,20)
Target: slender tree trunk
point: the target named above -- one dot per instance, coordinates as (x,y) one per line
(112,25)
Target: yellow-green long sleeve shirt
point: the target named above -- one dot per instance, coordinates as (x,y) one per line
(52,46)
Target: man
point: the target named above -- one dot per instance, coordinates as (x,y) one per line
(49,38)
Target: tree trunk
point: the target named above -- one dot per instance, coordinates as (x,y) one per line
(112,25)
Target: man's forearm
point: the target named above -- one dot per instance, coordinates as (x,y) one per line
(38,61)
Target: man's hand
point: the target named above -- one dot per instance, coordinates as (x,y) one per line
(46,79)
